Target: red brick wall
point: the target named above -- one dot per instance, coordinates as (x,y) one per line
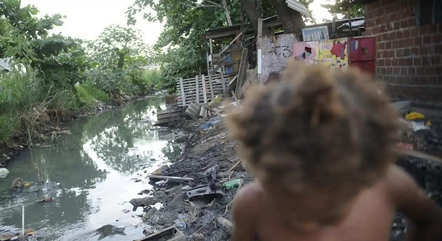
(409,57)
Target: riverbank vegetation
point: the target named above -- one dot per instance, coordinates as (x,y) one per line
(49,78)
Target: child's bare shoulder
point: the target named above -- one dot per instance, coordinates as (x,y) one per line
(248,200)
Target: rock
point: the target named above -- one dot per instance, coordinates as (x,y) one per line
(198,237)
(225,223)
(109,230)
(18,183)
(4,173)
(142,202)
(179,236)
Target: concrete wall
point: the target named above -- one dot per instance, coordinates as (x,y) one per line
(409,57)
(276,52)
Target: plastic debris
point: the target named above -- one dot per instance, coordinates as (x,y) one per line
(414,116)
(211,123)
(4,173)
(419,125)
(235,183)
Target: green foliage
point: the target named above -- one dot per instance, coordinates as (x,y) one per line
(345,9)
(59,75)
(90,95)
(181,49)
(307,4)
(18,93)
(8,127)
(118,48)
(20,26)
(147,81)
(185,23)
(62,61)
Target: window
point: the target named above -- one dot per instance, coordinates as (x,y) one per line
(429,12)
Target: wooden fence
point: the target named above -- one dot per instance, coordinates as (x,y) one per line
(200,89)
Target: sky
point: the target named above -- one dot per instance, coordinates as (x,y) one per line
(86,19)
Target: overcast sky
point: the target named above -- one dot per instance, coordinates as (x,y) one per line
(86,19)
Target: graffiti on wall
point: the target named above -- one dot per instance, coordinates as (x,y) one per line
(276,51)
(282,51)
(333,53)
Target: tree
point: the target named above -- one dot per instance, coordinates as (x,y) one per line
(118,47)
(181,48)
(345,9)
(20,27)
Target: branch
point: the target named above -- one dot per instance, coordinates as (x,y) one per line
(214,3)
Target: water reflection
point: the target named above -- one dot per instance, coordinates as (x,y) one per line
(90,174)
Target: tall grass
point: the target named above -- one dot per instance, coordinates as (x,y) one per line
(19,91)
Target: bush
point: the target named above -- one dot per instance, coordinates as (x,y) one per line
(146,81)
(18,91)
(90,95)
(8,127)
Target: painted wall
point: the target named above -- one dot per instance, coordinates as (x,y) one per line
(276,51)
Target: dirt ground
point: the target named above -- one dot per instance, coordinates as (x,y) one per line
(209,158)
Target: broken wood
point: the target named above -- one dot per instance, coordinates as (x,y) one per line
(171,178)
(197,91)
(418,154)
(234,166)
(167,231)
(212,95)
(204,88)
(230,44)
(233,80)
(183,94)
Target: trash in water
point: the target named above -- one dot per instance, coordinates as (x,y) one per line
(3,173)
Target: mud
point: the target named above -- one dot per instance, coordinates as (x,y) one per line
(208,156)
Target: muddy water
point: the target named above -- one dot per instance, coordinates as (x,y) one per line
(91,175)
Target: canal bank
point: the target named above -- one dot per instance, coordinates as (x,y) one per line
(88,176)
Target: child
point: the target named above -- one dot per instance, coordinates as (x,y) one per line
(320,145)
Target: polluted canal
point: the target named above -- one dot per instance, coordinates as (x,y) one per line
(79,187)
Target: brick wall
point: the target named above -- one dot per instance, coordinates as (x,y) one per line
(409,57)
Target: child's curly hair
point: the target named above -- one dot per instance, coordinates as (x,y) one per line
(316,129)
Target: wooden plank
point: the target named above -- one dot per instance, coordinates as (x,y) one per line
(230,44)
(165,232)
(233,80)
(183,95)
(203,78)
(259,49)
(242,72)
(197,90)
(211,87)
(223,81)
(171,178)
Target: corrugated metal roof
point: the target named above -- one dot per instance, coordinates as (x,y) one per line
(297,6)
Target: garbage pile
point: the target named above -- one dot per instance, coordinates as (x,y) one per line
(423,134)
(192,197)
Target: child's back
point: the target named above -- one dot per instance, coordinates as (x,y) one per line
(320,145)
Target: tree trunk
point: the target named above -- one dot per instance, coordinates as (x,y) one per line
(291,20)
(251,12)
(226,9)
